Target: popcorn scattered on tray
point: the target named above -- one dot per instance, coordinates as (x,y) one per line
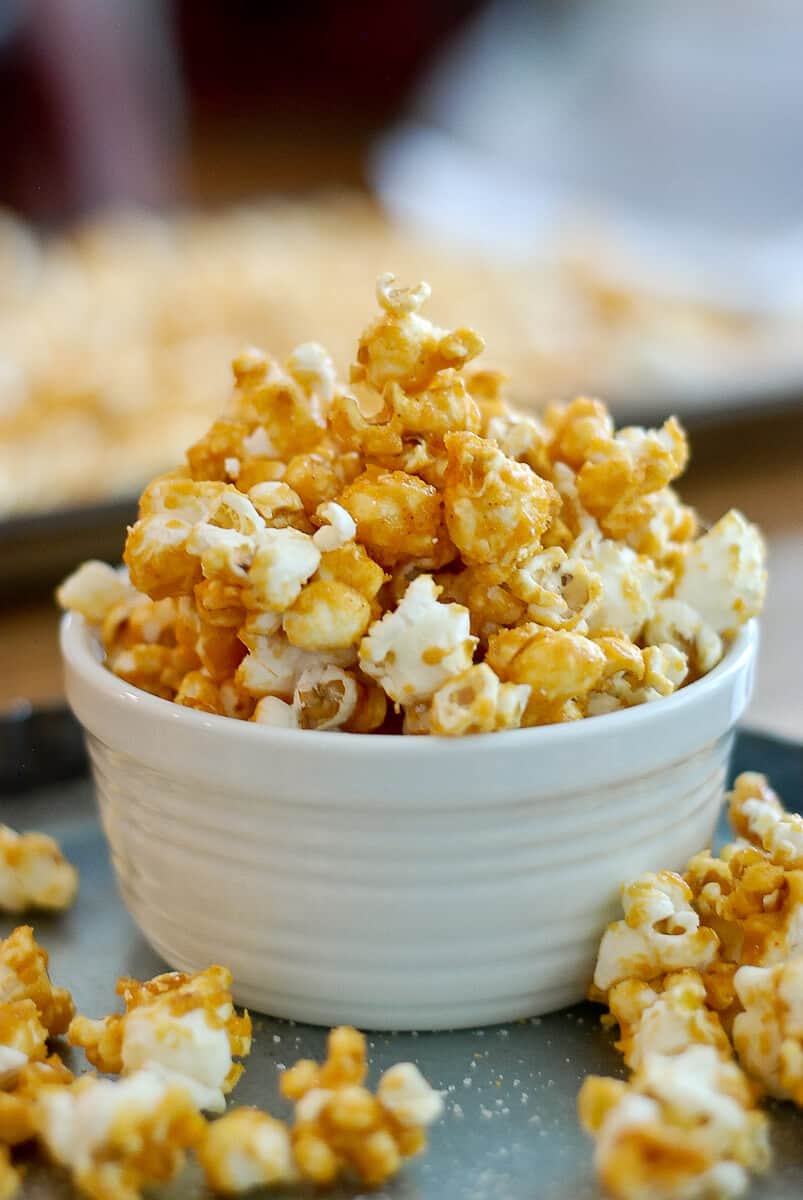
(685,1125)
(179,1028)
(406,552)
(23,976)
(117,1136)
(34,873)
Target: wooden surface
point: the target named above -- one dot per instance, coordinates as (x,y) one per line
(757,467)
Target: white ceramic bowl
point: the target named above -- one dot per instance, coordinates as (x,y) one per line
(396,883)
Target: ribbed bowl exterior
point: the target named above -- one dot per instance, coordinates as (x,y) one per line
(388,882)
(394,918)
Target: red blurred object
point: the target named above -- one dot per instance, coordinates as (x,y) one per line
(146,101)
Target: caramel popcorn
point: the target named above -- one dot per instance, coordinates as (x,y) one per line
(246,1149)
(34,873)
(23,976)
(340,1127)
(332,548)
(660,933)
(685,1125)
(19,1099)
(179,1028)
(665,1017)
(768,1035)
(757,815)
(117,1136)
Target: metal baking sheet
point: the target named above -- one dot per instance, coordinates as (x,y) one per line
(509,1132)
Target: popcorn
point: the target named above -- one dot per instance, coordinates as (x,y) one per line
(630,586)
(292,538)
(10,1177)
(284,560)
(665,1017)
(23,976)
(403,347)
(20,1094)
(496,508)
(116,1137)
(275,712)
(768,1035)
(755,906)
(340,1127)
(660,932)
(398,518)
(179,1028)
(324,698)
(327,615)
(685,1125)
(246,1149)
(93,589)
(557,665)
(723,576)
(34,873)
(413,650)
(676,624)
(559,591)
(757,815)
(476,702)
(338,530)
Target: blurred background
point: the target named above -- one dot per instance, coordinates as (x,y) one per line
(610,191)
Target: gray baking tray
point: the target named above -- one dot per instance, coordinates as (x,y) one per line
(509,1131)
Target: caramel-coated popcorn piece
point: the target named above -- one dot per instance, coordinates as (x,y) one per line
(660,932)
(757,814)
(496,508)
(34,873)
(476,702)
(23,976)
(246,1149)
(341,1128)
(181,1028)
(685,1125)
(116,1137)
(768,1035)
(665,1017)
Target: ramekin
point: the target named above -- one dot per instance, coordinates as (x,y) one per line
(389,882)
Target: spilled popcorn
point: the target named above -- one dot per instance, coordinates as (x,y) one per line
(34,873)
(704,970)
(340,1128)
(182,1029)
(173,1050)
(406,552)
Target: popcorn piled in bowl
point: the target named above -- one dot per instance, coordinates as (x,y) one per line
(410,553)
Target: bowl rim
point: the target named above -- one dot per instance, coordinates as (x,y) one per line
(81,652)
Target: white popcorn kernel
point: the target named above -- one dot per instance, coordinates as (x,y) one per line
(271,498)
(677,624)
(405,1094)
(631,585)
(559,591)
(312,366)
(232,467)
(34,873)
(724,577)
(325,698)
(412,651)
(661,932)
(188,1050)
(259,445)
(94,589)
(339,530)
(768,1035)
(272,711)
(273,666)
(284,560)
